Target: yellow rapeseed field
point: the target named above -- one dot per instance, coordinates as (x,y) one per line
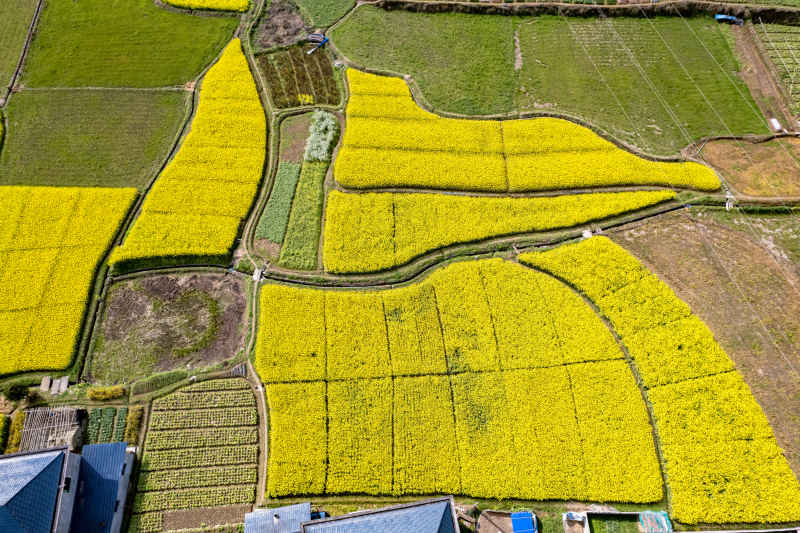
(722,461)
(198,202)
(51,240)
(376,231)
(216,5)
(389,141)
(446,369)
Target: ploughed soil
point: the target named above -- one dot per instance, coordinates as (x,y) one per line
(743,281)
(280,25)
(760,77)
(294,132)
(203,517)
(766,169)
(164,322)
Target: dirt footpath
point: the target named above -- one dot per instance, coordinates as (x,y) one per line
(749,297)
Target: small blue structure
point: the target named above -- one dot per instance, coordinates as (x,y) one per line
(523,522)
(719,17)
(654,522)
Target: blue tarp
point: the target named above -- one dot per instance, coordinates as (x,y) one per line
(523,522)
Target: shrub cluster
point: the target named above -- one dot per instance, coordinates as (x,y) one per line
(322,135)
(15,432)
(101,394)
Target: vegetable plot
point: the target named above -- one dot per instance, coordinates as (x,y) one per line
(195,208)
(376,231)
(722,461)
(51,240)
(441,376)
(391,142)
(196,459)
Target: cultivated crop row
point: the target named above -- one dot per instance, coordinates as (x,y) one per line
(51,240)
(197,438)
(197,203)
(782,44)
(295,78)
(110,424)
(196,400)
(214,5)
(376,231)
(712,431)
(198,457)
(390,142)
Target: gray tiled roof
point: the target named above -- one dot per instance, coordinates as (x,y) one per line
(289,519)
(29,490)
(435,516)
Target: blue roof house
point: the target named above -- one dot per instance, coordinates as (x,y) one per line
(58,491)
(436,515)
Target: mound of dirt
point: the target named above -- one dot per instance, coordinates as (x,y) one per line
(281,25)
(164,322)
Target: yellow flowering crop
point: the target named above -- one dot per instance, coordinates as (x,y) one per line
(424,428)
(197,204)
(390,141)
(51,240)
(722,462)
(357,409)
(216,5)
(376,231)
(297,458)
(442,385)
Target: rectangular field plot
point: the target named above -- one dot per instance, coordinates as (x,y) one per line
(196,456)
(423,435)
(15,19)
(51,241)
(782,44)
(121,44)
(92,138)
(296,79)
(444,385)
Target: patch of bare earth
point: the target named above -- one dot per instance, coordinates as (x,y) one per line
(294,132)
(165,322)
(766,169)
(748,296)
(759,77)
(280,25)
(208,516)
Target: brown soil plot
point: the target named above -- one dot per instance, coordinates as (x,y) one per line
(296,79)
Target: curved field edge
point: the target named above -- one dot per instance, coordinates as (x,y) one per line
(185,214)
(487,84)
(65,271)
(712,432)
(389,141)
(469,295)
(372,232)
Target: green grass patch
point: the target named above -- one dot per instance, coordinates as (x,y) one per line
(323,13)
(658,83)
(275,217)
(121,43)
(89,138)
(15,18)
(462,63)
(301,243)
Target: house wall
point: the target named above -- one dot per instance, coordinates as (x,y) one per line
(65,504)
(122,491)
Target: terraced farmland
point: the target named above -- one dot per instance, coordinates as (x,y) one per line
(198,455)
